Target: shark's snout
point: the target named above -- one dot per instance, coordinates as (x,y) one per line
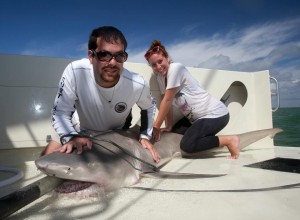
(53,169)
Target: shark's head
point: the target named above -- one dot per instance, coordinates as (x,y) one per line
(87,167)
(64,166)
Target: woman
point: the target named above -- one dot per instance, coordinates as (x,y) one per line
(204,115)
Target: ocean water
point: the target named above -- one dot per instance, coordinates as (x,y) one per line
(289,120)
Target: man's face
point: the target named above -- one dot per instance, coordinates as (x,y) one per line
(107,72)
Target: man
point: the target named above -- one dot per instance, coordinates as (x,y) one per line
(103,93)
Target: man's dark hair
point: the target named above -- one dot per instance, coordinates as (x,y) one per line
(109,33)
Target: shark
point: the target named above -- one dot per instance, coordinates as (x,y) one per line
(117,159)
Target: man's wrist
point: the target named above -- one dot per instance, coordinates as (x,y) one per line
(67,137)
(143,136)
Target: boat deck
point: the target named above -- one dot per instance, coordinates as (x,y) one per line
(244,193)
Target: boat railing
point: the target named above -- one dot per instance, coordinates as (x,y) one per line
(275,93)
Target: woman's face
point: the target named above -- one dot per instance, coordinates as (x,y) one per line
(159,64)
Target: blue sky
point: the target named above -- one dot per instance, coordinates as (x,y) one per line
(243,35)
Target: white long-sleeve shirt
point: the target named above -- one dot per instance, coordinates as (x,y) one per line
(98,108)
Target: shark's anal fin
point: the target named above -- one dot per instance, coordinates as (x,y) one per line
(253,136)
(173,175)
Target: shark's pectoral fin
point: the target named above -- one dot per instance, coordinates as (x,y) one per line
(164,161)
(253,136)
(173,175)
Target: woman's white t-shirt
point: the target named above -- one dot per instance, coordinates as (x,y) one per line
(191,99)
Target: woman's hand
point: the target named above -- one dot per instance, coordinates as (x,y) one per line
(156,133)
(166,129)
(148,145)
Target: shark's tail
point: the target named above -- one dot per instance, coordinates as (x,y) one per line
(250,137)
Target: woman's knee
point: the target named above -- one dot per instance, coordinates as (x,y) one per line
(186,146)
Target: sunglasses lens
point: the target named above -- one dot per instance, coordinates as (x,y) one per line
(107,56)
(155,49)
(104,56)
(152,51)
(121,57)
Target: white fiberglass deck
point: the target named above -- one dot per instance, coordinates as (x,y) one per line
(244,193)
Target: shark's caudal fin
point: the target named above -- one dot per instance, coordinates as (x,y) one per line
(253,136)
(173,175)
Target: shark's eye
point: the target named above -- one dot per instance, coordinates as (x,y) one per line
(67,171)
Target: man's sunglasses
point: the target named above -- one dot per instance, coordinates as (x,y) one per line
(107,56)
(152,51)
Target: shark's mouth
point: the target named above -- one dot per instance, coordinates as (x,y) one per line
(70,186)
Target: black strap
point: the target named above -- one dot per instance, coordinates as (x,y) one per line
(154,168)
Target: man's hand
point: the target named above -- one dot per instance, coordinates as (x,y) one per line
(76,142)
(148,145)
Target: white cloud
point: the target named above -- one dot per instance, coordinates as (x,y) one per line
(187,30)
(272,46)
(297,81)
(63,48)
